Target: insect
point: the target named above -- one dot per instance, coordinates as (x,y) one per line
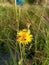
(19,2)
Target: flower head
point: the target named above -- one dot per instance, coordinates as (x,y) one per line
(24,36)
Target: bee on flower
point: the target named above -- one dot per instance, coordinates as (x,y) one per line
(24,36)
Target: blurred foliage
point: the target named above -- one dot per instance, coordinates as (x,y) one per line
(7,20)
(5,1)
(38,50)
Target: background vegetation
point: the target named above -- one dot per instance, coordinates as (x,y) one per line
(37,52)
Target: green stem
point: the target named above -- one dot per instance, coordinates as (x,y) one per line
(22,53)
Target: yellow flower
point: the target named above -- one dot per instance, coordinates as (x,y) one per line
(24,36)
